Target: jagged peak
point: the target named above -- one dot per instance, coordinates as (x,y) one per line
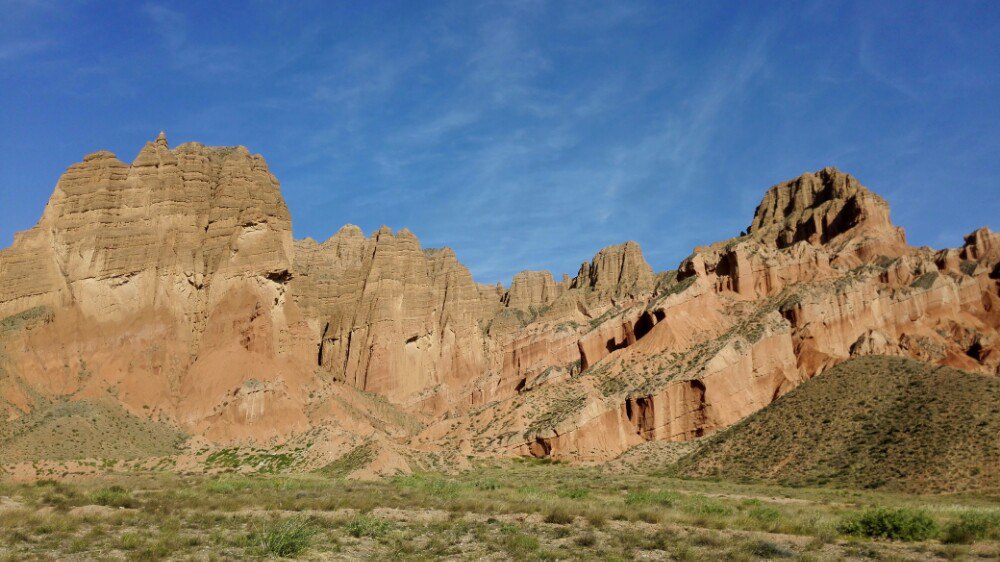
(627,247)
(980,233)
(982,244)
(533,272)
(350,230)
(442,252)
(99,156)
(385,232)
(818,207)
(620,268)
(531,288)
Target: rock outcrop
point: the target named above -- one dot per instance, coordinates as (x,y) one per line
(390,317)
(532,289)
(166,280)
(172,288)
(828,208)
(983,246)
(617,270)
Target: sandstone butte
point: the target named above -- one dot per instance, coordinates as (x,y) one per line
(172,289)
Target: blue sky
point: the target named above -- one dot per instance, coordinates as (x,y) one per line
(525,135)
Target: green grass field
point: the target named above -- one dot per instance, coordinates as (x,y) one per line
(521,510)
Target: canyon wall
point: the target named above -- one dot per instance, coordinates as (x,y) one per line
(172,287)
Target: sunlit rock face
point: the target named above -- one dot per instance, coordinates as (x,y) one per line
(165,283)
(173,288)
(392,318)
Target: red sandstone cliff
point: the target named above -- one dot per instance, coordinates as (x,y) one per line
(172,286)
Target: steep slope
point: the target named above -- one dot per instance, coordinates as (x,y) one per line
(869,422)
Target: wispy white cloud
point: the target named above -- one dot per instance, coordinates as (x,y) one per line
(355,77)
(591,16)
(530,134)
(503,62)
(527,160)
(869,62)
(691,138)
(187,53)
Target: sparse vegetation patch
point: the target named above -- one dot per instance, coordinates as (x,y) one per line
(894,524)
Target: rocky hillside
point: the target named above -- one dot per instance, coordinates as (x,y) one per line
(171,288)
(869,422)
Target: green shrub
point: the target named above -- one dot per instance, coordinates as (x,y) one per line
(574,493)
(282,538)
(705,506)
(662,539)
(115,496)
(367,526)
(228,485)
(356,458)
(972,526)
(764,514)
(925,281)
(430,484)
(768,550)
(559,516)
(130,541)
(59,497)
(968,267)
(220,487)
(517,543)
(646,497)
(893,524)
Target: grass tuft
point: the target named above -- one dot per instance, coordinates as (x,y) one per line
(283,538)
(768,550)
(367,526)
(115,496)
(646,497)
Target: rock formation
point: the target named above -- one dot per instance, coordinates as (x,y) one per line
(166,281)
(618,270)
(821,208)
(532,289)
(391,318)
(172,288)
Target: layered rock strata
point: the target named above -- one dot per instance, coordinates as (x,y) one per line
(172,286)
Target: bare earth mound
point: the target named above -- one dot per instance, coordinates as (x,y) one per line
(871,422)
